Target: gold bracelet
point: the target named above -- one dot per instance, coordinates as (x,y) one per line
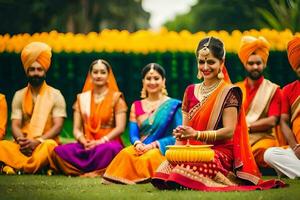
(198,135)
(207,136)
(212,136)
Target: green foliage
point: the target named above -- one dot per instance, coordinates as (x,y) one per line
(75,16)
(62,187)
(209,15)
(285,14)
(68,72)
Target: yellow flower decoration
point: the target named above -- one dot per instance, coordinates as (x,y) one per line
(142,41)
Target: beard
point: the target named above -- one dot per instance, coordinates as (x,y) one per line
(254,75)
(36,81)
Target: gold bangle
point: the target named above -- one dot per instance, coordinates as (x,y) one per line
(198,135)
(212,136)
(206,136)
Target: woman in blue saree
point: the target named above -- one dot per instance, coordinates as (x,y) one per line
(151,123)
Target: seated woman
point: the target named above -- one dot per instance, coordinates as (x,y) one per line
(99,119)
(212,114)
(152,120)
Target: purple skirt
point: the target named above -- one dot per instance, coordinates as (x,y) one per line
(89,160)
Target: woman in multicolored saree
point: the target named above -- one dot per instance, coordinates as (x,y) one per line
(99,119)
(212,114)
(152,120)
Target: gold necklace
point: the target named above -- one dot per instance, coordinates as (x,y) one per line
(99,97)
(205,91)
(151,110)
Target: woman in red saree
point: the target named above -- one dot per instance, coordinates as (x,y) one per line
(212,114)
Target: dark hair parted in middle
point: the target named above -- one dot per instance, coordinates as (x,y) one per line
(154,66)
(104,62)
(215,46)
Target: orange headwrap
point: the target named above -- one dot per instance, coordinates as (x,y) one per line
(36,51)
(293,50)
(112,83)
(250,44)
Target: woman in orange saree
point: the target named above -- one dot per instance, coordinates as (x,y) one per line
(99,119)
(212,114)
(151,123)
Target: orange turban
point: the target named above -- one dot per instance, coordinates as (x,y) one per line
(36,51)
(293,50)
(250,44)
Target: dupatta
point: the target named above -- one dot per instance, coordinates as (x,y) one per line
(159,126)
(207,116)
(96,117)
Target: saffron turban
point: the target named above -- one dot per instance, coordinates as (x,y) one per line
(36,51)
(293,50)
(250,44)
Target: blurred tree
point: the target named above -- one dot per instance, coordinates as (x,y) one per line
(78,16)
(227,15)
(284,14)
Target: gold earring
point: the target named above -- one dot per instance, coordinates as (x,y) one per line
(220,75)
(143,93)
(199,75)
(164,91)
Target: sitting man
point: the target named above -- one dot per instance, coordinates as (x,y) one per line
(286,159)
(261,97)
(38,113)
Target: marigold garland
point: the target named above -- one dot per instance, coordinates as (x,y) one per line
(142,41)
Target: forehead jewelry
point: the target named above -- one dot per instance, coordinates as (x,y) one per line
(151,68)
(99,62)
(204,52)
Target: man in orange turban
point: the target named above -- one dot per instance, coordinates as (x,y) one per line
(38,113)
(3,116)
(261,97)
(286,159)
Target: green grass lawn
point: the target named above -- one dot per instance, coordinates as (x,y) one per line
(63,187)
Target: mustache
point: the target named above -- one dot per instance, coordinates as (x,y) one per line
(36,76)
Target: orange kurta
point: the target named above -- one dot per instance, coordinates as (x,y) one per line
(291,106)
(261,101)
(3,116)
(43,114)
